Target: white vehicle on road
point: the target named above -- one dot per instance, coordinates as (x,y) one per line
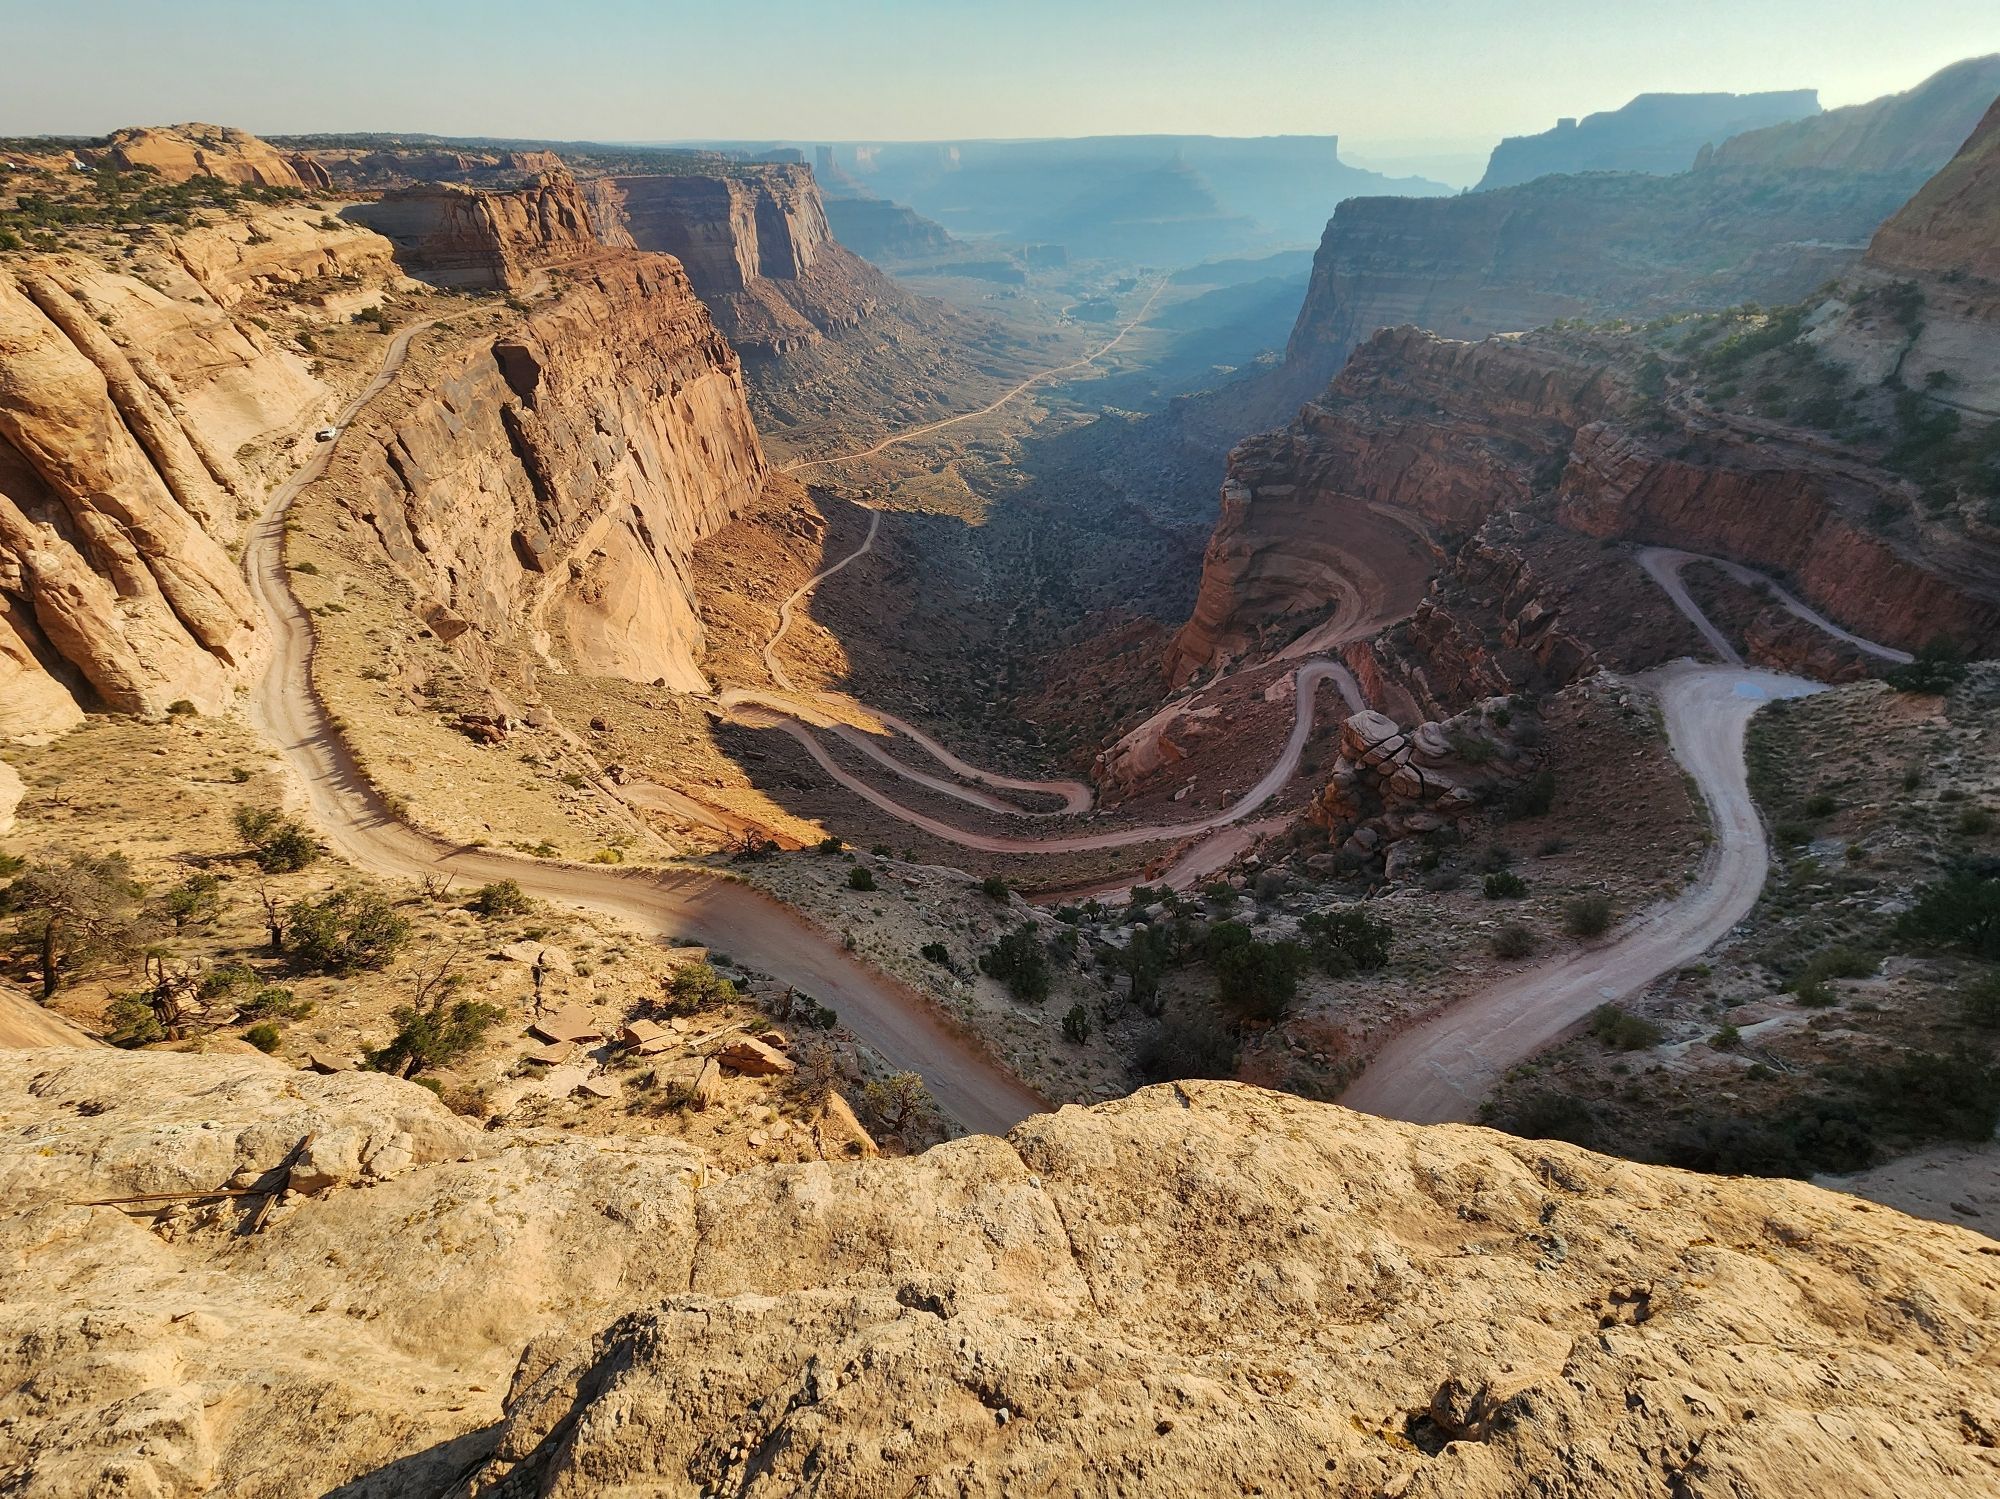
(326,434)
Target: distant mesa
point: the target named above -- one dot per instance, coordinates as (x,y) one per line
(1656,133)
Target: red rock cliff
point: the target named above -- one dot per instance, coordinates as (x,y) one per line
(1453,434)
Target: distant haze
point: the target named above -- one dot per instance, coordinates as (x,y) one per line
(1467,71)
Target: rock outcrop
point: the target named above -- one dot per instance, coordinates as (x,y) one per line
(464,237)
(121,407)
(1388,784)
(757,246)
(1656,133)
(549,484)
(180,152)
(1204,1288)
(1451,435)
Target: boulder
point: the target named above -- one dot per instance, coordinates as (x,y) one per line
(751,1057)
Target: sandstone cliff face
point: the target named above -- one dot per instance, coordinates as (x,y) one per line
(1444,433)
(756,245)
(1953,223)
(1202,1289)
(886,232)
(179,152)
(461,237)
(1455,434)
(551,482)
(121,406)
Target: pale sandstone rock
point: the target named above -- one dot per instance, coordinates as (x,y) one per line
(179,152)
(1198,1290)
(752,1058)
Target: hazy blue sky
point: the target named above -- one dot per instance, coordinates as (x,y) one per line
(1445,71)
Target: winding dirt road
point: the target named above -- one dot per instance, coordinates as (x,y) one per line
(885,1015)
(1440,1070)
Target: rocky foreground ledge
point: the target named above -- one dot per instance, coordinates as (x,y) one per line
(1201,1289)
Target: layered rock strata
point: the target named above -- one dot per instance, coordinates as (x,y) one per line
(470,238)
(1451,435)
(551,482)
(122,405)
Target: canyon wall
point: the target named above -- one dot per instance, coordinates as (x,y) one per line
(1655,133)
(834,351)
(756,245)
(1916,130)
(1454,435)
(1952,225)
(1768,218)
(548,484)
(466,238)
(122,405)
(885,232)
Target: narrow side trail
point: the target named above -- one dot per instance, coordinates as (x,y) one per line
(885,1015)
(1442,1069)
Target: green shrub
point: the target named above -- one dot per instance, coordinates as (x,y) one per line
(434,1034)
(1726,1038)
(263,1036)
(935,952)
(1514,941)
(1821,804)
(274,1003)
(1588,916)
(860,877)
(501,898)
(1979,1002)
(694,987)
(829,845)
(344,931)
(1346,940)
(1939,1095)
(278,844)
(1504,884)
(1532,797)
(1550,1115)
(1255,979)
(1939,667)
(1622,1031)
(1019,960)
(1974,822)
(195,902)
(1076,1024)
(1961,910)
(1811,982)
(993,887)
(1188,1046)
